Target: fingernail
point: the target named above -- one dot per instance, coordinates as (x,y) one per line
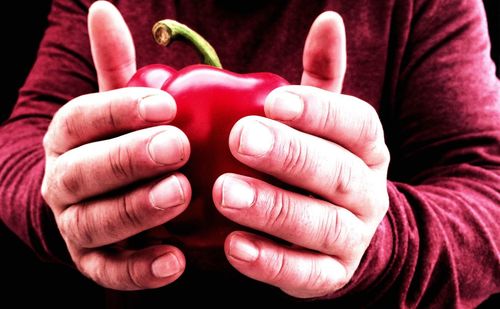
(166,148)
(243,249)
(167,193)
(285,106)
(156,108)
(255,139)
(237,193)
(165,266)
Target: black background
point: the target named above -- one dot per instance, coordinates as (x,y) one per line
(20,270)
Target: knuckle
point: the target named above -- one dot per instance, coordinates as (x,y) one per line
(135,276)
(343,276)
(75,226)
(370,126)
(383,205)
(332,231)
(127,213)
(95,266)
(65,121)
(337,283)
(109,118)
(47,140)
(385,154)
(377,202)
(81,267)
(371,136)
(84,229)
(63,224)
(339,231)
(319,280)
(97,270)
(100,275)
(295,157)
(279,210)
(70,128)
(46,190)
(121,163)
(343,180)
(70,177)
(278,267)
(328,118)
(350,178)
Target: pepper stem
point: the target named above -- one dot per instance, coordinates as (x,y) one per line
(167,30)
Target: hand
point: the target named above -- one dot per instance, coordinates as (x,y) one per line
(328,144)
(102,150)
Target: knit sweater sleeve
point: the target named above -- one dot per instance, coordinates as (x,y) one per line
(438,246)
(63,70)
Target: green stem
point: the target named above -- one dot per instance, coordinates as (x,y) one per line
(167,30)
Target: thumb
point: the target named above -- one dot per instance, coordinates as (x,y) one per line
(112,46)
(324,56)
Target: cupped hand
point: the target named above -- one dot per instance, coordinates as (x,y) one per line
(325,143)
(110,167)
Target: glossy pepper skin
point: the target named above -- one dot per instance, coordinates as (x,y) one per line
(153,75)
(209,102)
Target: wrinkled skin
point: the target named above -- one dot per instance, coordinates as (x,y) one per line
(113,160)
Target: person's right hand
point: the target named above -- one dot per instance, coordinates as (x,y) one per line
(110,167)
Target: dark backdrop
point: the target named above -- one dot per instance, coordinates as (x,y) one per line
(31,283)
(19,268)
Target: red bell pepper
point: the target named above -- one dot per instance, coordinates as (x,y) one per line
(209,102)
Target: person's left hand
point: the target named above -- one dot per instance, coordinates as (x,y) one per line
(328,144)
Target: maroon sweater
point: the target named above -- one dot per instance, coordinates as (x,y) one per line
(423,64)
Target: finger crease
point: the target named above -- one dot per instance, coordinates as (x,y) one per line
(131,276)
(111,117)
(329,119)
(279,266)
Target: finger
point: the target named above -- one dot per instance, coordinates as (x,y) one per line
(112,46)
(324,56)
(100,115)
(345,120)
(301,220)
(109,220)
(128,270)
(100,167)
(299,273)
(307,162)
